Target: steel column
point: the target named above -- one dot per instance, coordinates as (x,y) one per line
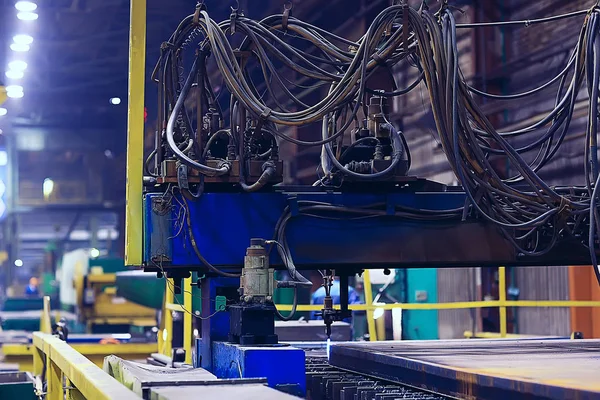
(135,133)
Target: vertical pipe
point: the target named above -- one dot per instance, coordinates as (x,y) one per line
(502,299)
(369,303)
(135,132)
(187,319)
(168,318)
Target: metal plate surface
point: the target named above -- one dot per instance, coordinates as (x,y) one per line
(482,369)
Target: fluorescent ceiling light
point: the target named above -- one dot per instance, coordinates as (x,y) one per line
(17,65)
(22,39)
(27,16)
(14,88)
(26,6)
(12,74)
(15,95)
(19,47)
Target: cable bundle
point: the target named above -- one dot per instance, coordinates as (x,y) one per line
(531,214)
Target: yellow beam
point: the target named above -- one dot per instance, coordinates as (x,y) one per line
(502,299)
(135,133)
(89,379)
(368,303)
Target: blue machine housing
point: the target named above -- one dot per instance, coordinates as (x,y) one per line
(224,223)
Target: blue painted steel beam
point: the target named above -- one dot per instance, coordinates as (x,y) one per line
(224,223)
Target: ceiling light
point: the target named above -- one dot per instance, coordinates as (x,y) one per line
(12,74)
(22,39)
(17,65)
(18,262)
(27,16)
(14,88)
(115,101)
(19,47)
(15,95)
(3,111)
(26,6)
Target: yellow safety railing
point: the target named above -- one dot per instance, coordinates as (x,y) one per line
(165,336)
(70,374)
(502,303)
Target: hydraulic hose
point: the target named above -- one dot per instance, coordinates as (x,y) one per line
(206,170)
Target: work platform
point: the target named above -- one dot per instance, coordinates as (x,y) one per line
(482,369)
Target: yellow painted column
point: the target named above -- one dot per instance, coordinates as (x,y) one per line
(369,303)
(167,333)
(135,133)
(502,299)
(187,319)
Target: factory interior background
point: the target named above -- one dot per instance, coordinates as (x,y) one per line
(63,172)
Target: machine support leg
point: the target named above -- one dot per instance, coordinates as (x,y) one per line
(502,298)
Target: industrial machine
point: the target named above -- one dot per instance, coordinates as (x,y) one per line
(103,310)
(214,202)
(88,288)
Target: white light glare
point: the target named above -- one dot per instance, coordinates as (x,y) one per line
(94,253)
(12,74)
(3,111)
(22,39)
(27,16)
(26,6)
(17,65)
(115,100)
(19,47)
(18,262)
